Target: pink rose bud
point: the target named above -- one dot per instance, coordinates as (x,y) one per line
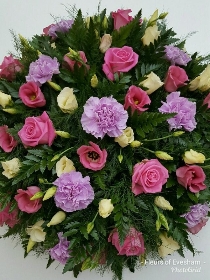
(121,18)
(7,142)
(9,67)
(175,78)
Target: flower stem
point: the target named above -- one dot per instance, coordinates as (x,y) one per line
(147,150)
(156,139)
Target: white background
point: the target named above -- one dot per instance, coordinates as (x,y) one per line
(28,18)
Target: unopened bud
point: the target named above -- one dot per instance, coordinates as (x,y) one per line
(30,245)
(63,134)
(135,144)
(178,133)
(49,193)
(94,81)
(11,111)
(120,158)
(54,86)
(90,227)
(163,155)
(37,195)
(58,218)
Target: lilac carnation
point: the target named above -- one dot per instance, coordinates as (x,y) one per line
(103,116)
(63,26)
(60,251)
(196,217)
(184,108)
(176,56)
(42,70)
(74,192)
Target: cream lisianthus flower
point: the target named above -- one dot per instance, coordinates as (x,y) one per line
(202,82)
(11,167)
(58,218)
(126,138)
(151,34)
(105,208)
(191,157)
(168,246)
(64,165)
(5,99)
(152,82)
(67,100)
(36,232)
(106,42)
(162,203)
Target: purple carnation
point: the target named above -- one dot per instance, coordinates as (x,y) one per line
(103,116)
(74,192)
(184,108)
(60,251)
(42,70)
(196,217)
(176,56)
(63,26)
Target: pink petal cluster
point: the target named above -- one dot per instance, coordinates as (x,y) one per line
(136,98)
(148,177)
(37,130)
(70,63)
(24,202)
(191,177)
(121,18)
(7,142)
(9,67)
(8,218)
(133,244)
(31,95)
(176,77)
(92,157)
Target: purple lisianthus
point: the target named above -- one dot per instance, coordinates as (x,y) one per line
(185,109)
(62,26)
(60,251)
(104,115)
(74,192)
(42,70)
(176,56)
(196,217)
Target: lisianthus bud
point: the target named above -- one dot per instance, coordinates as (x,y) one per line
(58,218)
(11,111)
(63,134)
(94,81)
(64,165)
(73,54)
(90,227)
(191,157)
(106,42)
(125,138)
(105,208)
(152,83)
(54,86)
(120,158)
(164,204)
(11,167)
(153,18)
(135,144)
(168,246)
(30,245)
(151,34)
(178,133)
(105,23)
(5,99)
(163,15)
(67,100)
(49,193)
(163,155)
(37,195)
(163,221)
(87,21)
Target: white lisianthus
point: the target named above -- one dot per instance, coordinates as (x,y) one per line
(67,100)
(168,246)
(191,157)
(5,99)
(106,42)
(151,34)
(11,167)
(202,82)
(152,82)
(125,138)
(64,165)
(105,208)
(36,232)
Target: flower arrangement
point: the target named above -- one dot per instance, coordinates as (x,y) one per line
(104,139)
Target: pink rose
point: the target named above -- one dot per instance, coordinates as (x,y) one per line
(121,18)
(7,142)
(37,131)
(136,98)
(9,67)
(148,177)
(69,63)
(175,78)
(198,227)
(119,60)
(31,95)
(207,101)
(8,218)
(24,202)
(191,177)
(92,157)
(133,244)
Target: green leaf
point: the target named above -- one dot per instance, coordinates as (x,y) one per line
(180,191)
